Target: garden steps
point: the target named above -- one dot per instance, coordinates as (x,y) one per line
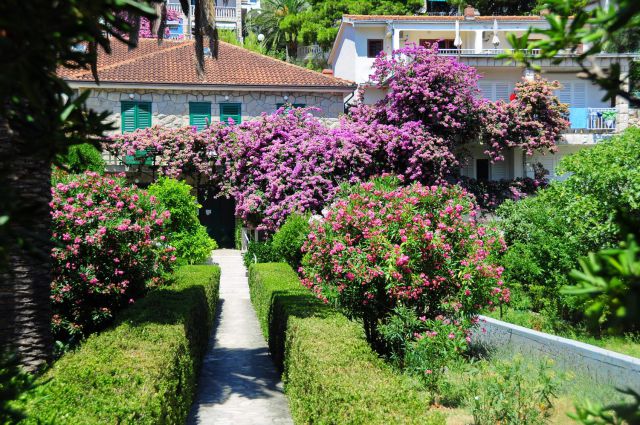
(239,383)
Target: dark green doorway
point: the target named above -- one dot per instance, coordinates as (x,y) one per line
(218,216)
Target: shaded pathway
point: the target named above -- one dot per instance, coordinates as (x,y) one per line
(239,383)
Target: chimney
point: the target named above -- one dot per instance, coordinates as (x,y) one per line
(469,12)
(327,72)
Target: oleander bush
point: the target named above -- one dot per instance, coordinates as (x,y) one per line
(109,249)
(143,369)
(331,375)
(184,231)
(382,246)
(547,234)
(288,240)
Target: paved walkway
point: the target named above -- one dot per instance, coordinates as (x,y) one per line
(239,383)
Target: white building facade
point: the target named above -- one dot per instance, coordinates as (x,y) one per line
(476,41)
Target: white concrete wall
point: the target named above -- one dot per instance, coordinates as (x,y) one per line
(603,366)
(352,62)
(170,108)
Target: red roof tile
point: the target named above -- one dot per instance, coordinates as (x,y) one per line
(173,62)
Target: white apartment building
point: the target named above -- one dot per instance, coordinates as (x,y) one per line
(476,40)
(229,15)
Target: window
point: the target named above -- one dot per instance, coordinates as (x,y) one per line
(482,169)
(374,47)
(288,106)
(442,44)
(230,110)
(136,115)
(496,90)
(199,114)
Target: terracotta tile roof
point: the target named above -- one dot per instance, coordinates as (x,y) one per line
(438,18)
(173,62)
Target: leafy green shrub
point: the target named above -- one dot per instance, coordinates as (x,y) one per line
(81,158)
(288,240)
(548,233)
(193,244)
(331,374)
(513,393)
(260,252)
(382,245)
(144,369)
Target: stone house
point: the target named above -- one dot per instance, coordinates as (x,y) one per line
(159,85)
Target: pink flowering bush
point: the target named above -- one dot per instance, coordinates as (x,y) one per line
(288,162)
(177,152)
(109,249)
(533,120)
(382,246)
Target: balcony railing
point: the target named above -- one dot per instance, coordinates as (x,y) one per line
(222,13)
(484,52)
(311,52)
(603,119)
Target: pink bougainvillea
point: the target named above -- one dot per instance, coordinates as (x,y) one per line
(382,245)
(291,161)
(109,248)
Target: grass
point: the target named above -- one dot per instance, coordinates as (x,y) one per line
(627,344)
(331,374)
(143,369)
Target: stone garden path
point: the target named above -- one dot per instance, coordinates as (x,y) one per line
(239,383)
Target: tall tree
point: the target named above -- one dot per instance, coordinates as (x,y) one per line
(40,116)
(280,22)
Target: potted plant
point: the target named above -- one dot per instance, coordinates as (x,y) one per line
(609,118)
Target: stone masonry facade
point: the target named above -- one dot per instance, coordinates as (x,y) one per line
(170,108)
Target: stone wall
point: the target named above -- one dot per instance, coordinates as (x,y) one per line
(170,108)
(604,366)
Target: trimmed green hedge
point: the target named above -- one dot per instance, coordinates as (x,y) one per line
(143,370)
(331,374)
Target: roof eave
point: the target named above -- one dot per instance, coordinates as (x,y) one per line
(207,87)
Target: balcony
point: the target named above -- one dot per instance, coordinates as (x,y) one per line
(223,14)
(596,119)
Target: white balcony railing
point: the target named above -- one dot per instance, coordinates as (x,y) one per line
(311,52)
(222,13)
(602,118)
(484,52)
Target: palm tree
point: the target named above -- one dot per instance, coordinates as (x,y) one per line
(280,22)
(41,116)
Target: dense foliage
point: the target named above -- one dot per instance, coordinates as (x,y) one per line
(109,249)
(382,247)
(291,162)
(547,234)
(184,231)
(288,240)
(332,374)
(81,158)
(142,370)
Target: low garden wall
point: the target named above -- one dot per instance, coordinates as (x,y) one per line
(606,367)
(142,370)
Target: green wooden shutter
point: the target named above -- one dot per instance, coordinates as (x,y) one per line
(136,115)
(128,112)
(230,110)
(289,105)
(199,114)
(144,115)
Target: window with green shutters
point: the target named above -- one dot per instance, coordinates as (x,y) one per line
(288,106)
(230,110)
(136,115)
(199,114)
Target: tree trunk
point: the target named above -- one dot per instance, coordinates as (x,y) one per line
(25,278)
